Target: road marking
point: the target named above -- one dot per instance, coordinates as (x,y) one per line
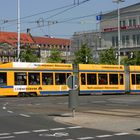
(59,134)
(54,129)
(2,134)
(9,111)
(69,139)
(7,137)
(41,130)
(4,107)
(121,134)
(24,115)
(103,136)
(74,127)
(85,138)
(21,132)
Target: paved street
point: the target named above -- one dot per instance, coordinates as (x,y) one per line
(97,117)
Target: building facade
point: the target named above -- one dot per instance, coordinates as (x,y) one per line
(46,44)
(129,29)
(107,35)
(41,45)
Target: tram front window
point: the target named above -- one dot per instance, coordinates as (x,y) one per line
(3,78)
(83,79)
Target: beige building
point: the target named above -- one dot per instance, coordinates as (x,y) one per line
(107,35)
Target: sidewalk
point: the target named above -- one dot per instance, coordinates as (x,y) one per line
(102,121)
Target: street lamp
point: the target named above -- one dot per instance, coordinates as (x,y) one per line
(119,36)
(18,29)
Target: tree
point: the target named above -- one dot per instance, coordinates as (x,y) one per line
(132,59)
(55,56)
(28,55)
(84,55)
(108,57)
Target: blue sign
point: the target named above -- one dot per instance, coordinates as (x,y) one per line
(98,17)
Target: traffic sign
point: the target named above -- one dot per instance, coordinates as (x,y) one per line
(73,82)
(98,17)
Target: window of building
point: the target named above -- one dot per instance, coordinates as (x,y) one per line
(20,78)
(130,22)
(3,78)
(122,23)
(138,39)
(125,40)
(134,38)
(115,41)
(134,22)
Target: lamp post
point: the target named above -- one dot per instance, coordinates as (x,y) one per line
(18,29)
(119,35)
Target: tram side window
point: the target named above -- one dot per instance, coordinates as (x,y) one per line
(113,79)
(91,79)
(133,76)
(121,79)
(138,79)
(83,79)
(20,78)
(3,78)
(60,78)
(47,78)
(102,79)
(34,78)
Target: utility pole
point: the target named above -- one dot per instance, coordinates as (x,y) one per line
(119,34)
(18,30)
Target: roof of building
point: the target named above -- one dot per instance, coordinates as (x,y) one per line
(51,41)
(12,37)
(131,8)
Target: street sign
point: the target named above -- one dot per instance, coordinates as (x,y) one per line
(73,82)
(98,17)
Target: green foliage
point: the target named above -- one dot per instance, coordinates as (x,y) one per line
(108,57)
(84,55)
(28,55)
(135,60)
(55,56)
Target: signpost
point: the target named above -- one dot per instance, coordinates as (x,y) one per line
(73,84)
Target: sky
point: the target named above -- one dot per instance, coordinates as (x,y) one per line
(55,18)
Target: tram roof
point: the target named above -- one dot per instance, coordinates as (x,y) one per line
(28,65)
(134,68)
(100,67)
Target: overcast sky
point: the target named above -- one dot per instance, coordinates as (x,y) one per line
(56,18)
